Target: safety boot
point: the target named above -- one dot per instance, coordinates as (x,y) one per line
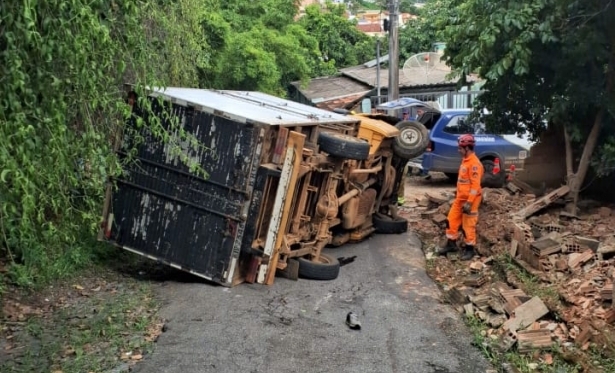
(468,253)
(451,246)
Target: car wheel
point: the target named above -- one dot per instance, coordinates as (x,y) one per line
(489,179)
(344,146)
(326,268)
(387,225)
(412,141)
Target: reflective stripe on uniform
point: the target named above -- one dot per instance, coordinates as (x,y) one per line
(473,192)
(471,213)
(452,236)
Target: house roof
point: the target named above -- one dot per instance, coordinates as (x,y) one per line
(368,75)
(369,27)
(332,87)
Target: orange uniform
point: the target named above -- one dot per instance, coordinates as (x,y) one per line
(468,190)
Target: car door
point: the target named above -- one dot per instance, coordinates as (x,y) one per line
(445,157)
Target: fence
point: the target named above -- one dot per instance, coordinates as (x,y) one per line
(446,99)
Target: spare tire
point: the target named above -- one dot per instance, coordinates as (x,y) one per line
(412,140)
(328,268)
(343,146)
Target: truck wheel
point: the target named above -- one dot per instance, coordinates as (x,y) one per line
(387,225)
(412,140)
(344,146)
(452,176)
(327,269)
(489,179)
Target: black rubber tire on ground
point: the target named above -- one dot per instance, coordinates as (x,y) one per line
(387,225)
(452,176)
(319,271)
(344,146)
(489,179)
(412,140)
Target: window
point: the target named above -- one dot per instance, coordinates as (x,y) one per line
(459,125)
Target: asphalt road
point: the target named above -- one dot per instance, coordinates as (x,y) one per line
(299,326)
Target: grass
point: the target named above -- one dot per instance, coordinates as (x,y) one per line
(531,285)
(513,361)
(93,331)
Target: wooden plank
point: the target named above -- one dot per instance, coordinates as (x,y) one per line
(541,203)
(296,142)
(576,259)
(526,314)
(514,245)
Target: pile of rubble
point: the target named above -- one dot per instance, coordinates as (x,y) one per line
(574,256)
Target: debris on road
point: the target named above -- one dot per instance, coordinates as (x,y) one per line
(571,257)
(352,320)
(343,260)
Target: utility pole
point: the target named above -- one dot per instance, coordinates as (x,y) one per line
(393,91)
(378,69)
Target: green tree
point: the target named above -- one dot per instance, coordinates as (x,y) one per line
(62,68)
(339,40)
(544,61)
(419,34)
(258,46)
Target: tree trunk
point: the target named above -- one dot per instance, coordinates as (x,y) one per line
(570,175)
(576,181)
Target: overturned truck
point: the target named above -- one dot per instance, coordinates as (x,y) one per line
(284,181)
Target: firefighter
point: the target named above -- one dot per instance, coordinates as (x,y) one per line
(464,211)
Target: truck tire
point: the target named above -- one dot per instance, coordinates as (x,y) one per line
(489,179)
(344,146)
(412,140)
(328,269)
(387,225)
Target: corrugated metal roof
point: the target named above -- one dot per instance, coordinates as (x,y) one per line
(331,87)
(255,107)
(367,75)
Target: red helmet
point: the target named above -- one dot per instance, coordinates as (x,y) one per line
(465,140)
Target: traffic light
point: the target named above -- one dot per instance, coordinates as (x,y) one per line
(385,24)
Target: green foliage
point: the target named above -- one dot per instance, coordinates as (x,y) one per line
(339,41)
(62,68)
(545,60)
(420,34)
(258,46)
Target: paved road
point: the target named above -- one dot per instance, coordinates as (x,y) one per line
(299,326)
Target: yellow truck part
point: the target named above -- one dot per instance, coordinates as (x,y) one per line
(374,131)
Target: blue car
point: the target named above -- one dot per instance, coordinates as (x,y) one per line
(445,126)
